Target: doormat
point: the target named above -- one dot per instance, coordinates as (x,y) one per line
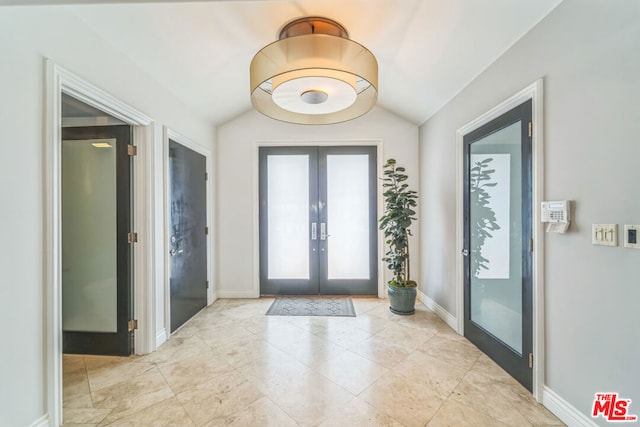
(300,306)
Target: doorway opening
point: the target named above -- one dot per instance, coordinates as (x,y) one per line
(61,83)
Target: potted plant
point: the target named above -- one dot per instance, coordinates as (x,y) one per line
(396,220)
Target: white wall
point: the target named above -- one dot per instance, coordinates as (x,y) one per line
(27,35)
(587,53)
(237,179)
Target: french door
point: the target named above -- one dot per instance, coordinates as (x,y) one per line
(497,241)
(318,221)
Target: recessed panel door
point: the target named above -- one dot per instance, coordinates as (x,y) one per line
(187,233)
(497,241)
(96,255)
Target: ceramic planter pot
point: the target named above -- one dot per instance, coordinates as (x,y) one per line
(402,300)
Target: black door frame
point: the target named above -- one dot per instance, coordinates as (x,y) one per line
(519,366)
(119,343)
(317,282)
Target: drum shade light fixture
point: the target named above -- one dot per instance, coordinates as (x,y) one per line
(314,74)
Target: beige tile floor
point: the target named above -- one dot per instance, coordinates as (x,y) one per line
(232,365)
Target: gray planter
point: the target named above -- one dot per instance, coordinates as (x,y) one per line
(402,300)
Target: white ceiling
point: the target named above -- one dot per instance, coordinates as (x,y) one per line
(427,50)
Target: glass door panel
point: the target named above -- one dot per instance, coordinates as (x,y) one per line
(496,239)
(288,216)
(89,247)
(348,217)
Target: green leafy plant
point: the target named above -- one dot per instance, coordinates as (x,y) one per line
(483,218)
(396,220)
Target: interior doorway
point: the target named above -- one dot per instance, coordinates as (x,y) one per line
(318,220)
(531,95)
(59,83)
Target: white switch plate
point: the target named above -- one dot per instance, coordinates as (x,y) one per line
(604,234)
(632,231)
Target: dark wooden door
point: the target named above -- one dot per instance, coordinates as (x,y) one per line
(97,298)
(187,233)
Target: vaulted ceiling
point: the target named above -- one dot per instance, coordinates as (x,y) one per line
(427,50)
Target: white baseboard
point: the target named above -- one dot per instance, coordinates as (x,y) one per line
(550,399)
(562,409)
(448,318)
(161,337)
(232,293)
(43,421)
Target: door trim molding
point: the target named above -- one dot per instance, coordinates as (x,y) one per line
(57,81)
(170,134)
(534,92)
(378,143)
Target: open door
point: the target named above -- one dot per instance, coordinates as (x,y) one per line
(96,253)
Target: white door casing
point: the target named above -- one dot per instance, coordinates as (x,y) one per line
(535,93)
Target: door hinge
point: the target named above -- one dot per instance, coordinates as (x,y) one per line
(530,129)
(207,282)
(132,150)
(531,360)
(132,237)
(206,230)
(530,245)
(133,325)
(206,176)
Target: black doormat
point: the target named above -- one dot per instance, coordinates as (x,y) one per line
(301,306)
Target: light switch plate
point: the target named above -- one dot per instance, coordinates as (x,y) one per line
(632,236)
(604,234)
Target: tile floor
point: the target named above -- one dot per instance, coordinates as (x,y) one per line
(232,365)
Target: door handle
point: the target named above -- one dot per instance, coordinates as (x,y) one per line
(173,250)
(314,231)
(323,231)
(465,252)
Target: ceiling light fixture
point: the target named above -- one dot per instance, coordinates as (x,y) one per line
(103,144)
(314,74)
